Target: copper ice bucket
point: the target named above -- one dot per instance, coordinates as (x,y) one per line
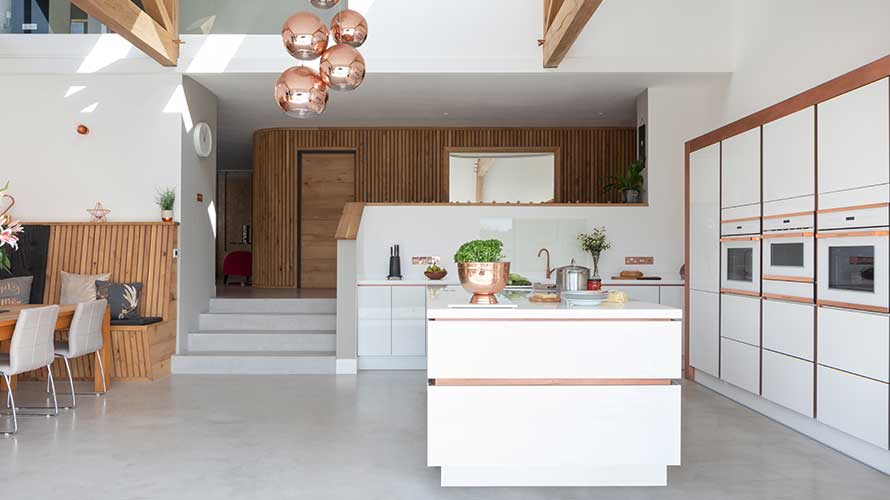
(483,279)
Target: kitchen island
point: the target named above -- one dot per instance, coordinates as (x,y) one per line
(548,395)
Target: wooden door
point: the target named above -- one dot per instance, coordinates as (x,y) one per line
(327,183)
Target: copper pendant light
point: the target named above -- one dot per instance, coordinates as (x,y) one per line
(324,4)
(305,36)
(349,27)
(342,67)
(301,93)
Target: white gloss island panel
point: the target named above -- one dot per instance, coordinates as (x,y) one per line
(554,349)
(550,395)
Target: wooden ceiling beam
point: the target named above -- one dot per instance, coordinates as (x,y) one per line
(157,9)
(565,27)
(137,26)
(551,7)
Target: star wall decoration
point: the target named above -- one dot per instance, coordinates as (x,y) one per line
(98,213)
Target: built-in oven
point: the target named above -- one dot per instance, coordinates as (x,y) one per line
(852,252)
(740,265)
(853,270)
(789,255)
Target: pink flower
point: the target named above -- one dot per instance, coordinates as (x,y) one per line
(8,234)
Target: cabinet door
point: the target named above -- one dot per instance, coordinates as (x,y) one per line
(788,328)
(855,342)
(374,320)
(853,404)
(741,169)
(740,318)
(853,135)
(789,161)
(704,331)
(740,365)
(704,219)
(409,321)
(788,381)
(672,296)
(638,293)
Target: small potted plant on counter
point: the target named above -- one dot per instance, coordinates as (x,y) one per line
(165,199)
(480,270)
(629,184)
(435,273)
(595,243)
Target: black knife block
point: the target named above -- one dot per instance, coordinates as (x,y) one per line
(395,268)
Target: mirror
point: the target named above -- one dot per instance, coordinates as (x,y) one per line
(501,177)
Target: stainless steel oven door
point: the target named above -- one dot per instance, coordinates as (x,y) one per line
(789,256)
(853,270)
(740,265)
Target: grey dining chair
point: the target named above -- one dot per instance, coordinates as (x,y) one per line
(84,337)
(30,348)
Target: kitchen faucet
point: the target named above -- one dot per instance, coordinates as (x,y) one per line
(549,270)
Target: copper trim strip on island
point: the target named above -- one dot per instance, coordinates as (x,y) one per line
(546,381)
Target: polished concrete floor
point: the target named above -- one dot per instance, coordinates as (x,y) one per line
(342,437)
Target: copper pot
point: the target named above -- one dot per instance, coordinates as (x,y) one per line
(483,279)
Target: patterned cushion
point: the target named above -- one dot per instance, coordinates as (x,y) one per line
(14,291)
(123,298)
(77,288)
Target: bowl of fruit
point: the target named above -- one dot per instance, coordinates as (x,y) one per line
(435,272)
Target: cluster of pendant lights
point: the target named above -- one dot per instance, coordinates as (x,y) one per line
(302,92)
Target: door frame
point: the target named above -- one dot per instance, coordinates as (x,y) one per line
(299,194)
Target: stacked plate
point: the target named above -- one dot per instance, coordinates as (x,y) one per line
(584,297)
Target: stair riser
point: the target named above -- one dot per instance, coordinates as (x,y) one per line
(240,322)
(242,365)
(261,342)
(274,306)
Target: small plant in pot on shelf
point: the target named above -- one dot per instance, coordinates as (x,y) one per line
(595,243)
(165,199)
(629,184)
(481,271)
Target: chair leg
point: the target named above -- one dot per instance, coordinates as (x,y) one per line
(84,393)
(52,384)
(10,400)
(70,383)
(102,373)
(55,407)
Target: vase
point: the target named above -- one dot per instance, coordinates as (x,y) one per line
(596,264)
(483,279)
(167,215)
(631,196)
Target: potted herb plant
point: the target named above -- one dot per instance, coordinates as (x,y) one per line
(165,199)
(481,271)
(595,243)
(629,184)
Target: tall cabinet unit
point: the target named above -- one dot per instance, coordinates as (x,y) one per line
(802,280)
(704,259)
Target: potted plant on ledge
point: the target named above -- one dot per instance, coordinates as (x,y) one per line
(629,184)
(480,270)
(165,199)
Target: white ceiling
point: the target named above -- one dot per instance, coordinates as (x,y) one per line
(246,102)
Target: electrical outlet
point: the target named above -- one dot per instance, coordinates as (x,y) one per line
(639,261)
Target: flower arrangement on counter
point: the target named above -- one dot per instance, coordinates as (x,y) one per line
(9,230)
(595,242)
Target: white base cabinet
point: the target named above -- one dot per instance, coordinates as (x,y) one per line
(740,364)
(740,318)
(704,331)
(853,404)
(391,327)
(788,381)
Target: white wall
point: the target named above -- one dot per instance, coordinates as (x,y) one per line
(785,47)
(197,237)
(133,147)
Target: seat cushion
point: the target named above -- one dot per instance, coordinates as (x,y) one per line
(140,321)
(123,298)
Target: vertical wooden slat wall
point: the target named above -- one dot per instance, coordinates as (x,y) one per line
(407,165)
(131,252)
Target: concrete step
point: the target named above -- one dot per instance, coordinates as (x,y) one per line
(283,340)
(254,363)
(280,306)
(265,321)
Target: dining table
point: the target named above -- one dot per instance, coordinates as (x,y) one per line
(9,315)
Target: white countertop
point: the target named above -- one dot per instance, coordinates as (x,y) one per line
(438,302)
(451,279)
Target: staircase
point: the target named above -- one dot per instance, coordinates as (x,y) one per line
(262,337)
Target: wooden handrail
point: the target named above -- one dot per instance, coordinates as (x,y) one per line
(350,220)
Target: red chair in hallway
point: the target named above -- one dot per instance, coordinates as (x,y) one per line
(237,263)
